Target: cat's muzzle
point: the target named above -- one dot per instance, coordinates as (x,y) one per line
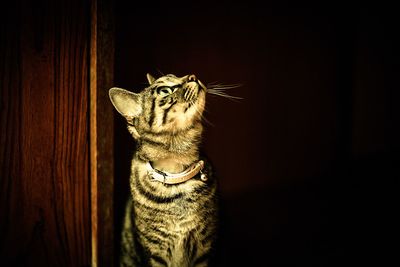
(191,91)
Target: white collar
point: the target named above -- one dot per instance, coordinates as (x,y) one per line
(177,178)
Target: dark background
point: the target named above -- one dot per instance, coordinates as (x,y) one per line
(308,160)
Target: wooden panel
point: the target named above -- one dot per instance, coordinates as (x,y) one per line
(44,151)
(101,133)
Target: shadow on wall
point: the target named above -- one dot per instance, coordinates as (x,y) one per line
(343,216)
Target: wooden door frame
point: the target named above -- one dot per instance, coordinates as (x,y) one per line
(102,132)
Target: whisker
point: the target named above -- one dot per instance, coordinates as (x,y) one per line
(203,117)
(207,121)
(223,86)
(223,94)
(213,84)
(219,89)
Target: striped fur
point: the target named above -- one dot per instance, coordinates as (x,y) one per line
(167,225)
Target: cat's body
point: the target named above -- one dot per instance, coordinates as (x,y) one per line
(172,219)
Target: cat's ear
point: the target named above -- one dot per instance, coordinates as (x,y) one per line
(150,78)
(125,102)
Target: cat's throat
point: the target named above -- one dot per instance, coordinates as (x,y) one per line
(170,153)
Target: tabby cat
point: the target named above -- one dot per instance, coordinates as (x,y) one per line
(171,219)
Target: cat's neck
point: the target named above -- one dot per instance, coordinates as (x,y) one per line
(171,153)
(169,165)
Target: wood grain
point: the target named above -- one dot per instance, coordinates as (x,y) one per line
(44,149)
(102,133)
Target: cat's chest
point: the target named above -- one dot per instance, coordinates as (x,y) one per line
(174,203)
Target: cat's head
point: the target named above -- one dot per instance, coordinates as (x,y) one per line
(168,104)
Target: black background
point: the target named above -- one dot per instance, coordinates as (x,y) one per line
(308,160)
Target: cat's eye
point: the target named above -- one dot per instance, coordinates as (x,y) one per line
(165,90)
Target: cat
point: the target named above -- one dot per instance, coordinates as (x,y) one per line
(172,216)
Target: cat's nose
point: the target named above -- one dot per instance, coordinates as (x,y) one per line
(192,78)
